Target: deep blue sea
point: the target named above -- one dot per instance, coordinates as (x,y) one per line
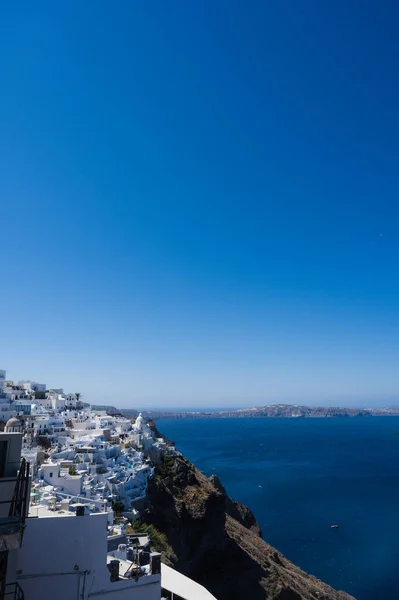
(300,476)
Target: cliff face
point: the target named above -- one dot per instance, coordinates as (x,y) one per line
(218,543)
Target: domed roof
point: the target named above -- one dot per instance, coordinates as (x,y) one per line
(13,422)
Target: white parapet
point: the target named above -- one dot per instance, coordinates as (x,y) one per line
(182,586)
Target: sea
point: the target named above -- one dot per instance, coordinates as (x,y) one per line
(300,476)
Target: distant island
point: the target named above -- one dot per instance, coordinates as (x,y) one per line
(269,411)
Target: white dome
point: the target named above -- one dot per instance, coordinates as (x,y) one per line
(15,424)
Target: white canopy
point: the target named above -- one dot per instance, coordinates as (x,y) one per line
(182,586)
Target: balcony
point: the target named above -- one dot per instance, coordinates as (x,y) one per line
(13,508)
(12,591)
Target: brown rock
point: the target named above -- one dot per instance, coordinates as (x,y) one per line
(218,542)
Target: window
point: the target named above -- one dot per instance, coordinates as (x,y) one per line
(51,474)
(3,454)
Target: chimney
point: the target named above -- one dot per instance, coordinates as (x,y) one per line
(113,567)
(155,563)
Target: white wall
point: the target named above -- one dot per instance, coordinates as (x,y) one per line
(65,558)
(59,550)
(72,484)
(26,385)
(57,403)
(124,426)
(32,385)
(39,425)
(44,403)
(15,394)
(48,423)
(83,425)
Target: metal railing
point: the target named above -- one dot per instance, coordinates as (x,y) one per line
(19,500)
(13,591)
(17,511)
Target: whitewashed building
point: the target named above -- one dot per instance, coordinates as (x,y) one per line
(65,553)
(32,386)
(7,410)
(52,474)
(71,401)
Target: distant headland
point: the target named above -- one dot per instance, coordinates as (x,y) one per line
(293,411)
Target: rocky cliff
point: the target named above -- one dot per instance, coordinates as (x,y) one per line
(217,541)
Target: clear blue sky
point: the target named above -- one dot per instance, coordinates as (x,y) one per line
(192,197)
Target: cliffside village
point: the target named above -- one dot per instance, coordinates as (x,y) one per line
(71,461)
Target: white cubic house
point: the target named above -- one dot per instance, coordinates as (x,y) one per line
(64,554)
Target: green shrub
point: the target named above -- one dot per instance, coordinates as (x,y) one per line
(158,539)
(43,441)
(165,469)
(118,507)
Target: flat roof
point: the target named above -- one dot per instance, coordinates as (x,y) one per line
(124,565)
(183,586)
(40,510)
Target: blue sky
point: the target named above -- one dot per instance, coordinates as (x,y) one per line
(192,200)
